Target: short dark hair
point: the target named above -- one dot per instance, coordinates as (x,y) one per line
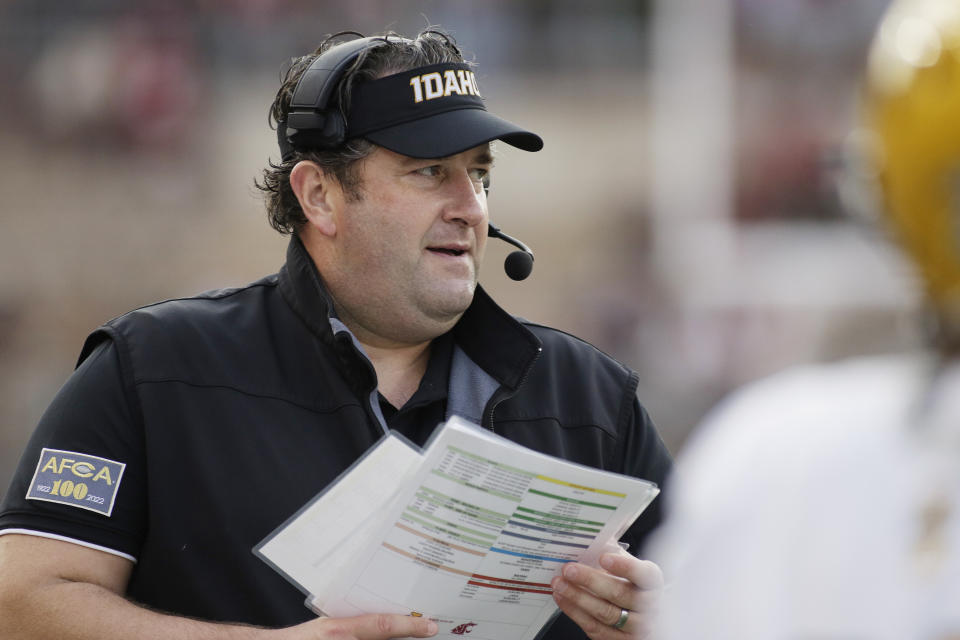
(431,46)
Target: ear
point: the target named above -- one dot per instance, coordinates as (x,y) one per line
(320,196)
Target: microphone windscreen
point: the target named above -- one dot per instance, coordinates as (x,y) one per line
(518,265)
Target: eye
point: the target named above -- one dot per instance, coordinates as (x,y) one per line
(432,171)
(480,175)
(481,178)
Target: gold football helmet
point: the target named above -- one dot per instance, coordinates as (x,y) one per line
(912,111)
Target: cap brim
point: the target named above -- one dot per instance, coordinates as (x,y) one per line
(449,133)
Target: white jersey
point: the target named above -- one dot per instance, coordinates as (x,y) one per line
(821,503)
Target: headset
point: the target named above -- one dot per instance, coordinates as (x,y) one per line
(518,264)
(311,122)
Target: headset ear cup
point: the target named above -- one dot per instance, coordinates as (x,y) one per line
(326,130)
(334,130)
(312,120)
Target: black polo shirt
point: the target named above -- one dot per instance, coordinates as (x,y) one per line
(229,411)
(94,412)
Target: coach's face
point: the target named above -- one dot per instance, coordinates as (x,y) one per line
(402,260)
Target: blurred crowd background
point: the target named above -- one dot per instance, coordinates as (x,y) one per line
(690,212)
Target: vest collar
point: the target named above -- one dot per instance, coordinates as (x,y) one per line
(301,286)
(496,341)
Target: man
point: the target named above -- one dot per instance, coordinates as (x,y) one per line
(824,502)
(193,428)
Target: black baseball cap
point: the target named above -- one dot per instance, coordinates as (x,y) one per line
(430,112)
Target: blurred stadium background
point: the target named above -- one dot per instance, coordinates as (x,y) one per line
(684,211)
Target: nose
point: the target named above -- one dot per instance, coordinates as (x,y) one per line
(467,203)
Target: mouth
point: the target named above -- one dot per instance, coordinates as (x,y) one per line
(448,251)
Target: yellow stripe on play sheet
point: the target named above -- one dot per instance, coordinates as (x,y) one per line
(578,486)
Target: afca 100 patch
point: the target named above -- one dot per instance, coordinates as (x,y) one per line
(76,479)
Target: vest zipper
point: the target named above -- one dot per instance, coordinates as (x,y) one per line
(501,394)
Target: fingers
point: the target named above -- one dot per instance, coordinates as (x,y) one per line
(596,617)
(371,627)
(637,628)
(595,599)
(588,609)
(382,626)
(642,573)
(575,597)
(616,591)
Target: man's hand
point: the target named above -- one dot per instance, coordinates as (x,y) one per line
(366,627)
(56,589)
(595,599)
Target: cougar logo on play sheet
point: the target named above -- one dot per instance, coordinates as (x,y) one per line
(463,628)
